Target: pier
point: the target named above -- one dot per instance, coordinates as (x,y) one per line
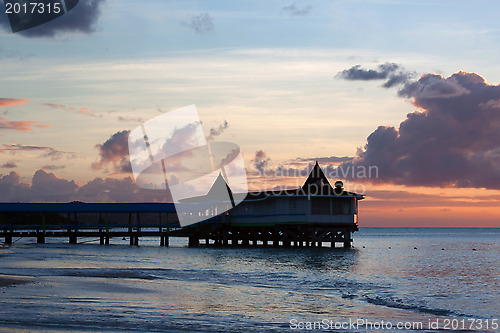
(105,221)
(77,220)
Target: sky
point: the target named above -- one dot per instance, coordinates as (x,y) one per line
(409,87)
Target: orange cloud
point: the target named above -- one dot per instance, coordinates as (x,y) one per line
(20,126)
(4,102)
(82,111)
(87,112)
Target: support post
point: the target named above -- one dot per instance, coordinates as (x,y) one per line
(107,228)
(194,241)
(137,234)
(347,239)
(130,235)
(162,239)
(8,240)
(40,238)
(167,240)
(72,238)
(44,229)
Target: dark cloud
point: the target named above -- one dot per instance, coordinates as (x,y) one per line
(119,190)
(46,152)
(295,10)
(217,131)
(325,160)
(130,119)
(9,165)
(114,152)
(53,167)
(17,147)
(201,24)
(260,161)
(4,102)
(47,187)
(453,141)
(393,73)
(81,19)
(11,189)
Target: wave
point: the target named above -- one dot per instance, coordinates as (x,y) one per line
(399,304)
(112,273)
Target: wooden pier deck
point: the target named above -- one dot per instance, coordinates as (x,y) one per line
(105,221)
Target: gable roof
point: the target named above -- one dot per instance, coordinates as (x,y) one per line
(316,177)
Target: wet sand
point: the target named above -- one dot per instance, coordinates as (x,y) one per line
(13,280)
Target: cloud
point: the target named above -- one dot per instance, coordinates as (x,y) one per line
(491,104)
(9,165)
(183,139)
(217,131)
(81,111)
(17,147)
(201,24)
(20,125)
(453,141)
(11,189)
(53,167)
(114,152)
(130,119)
(119,190)
(81,19)
(49,152)
(325,160)
(295,10)
(260,161)
(87,112)
(4,102)
(59,106)
(393,73)
(432,86)
(47,187)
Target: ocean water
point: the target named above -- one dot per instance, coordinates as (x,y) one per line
(399,279)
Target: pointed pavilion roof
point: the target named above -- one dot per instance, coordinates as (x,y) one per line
(219,186)
(317,177)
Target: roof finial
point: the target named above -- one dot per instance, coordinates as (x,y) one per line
(317,163)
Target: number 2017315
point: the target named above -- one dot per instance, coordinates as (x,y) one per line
(32,8)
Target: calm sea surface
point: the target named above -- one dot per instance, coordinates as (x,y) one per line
(393,276)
